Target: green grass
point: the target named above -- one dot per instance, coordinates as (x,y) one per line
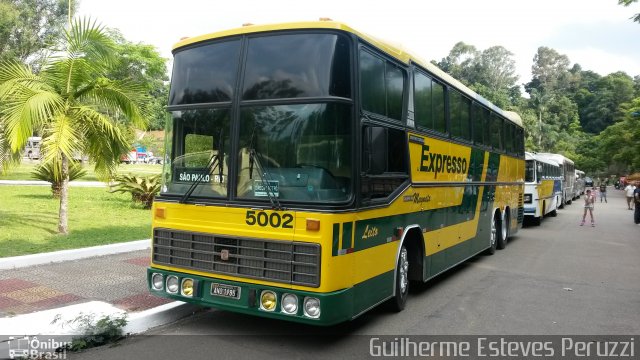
(29,219)
(24,170)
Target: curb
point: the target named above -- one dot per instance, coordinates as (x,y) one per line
(72,254)
(40,323)
(46,183)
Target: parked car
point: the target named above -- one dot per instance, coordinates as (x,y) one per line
(588,182)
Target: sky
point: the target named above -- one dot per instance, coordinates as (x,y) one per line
(597,34)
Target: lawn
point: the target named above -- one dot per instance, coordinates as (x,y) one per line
(29,218)
(24,170)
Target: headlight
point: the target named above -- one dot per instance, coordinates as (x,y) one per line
(289,304)
(157,281)
(172,284)
(527,198)
(268,300)
(312,307)
(187,287)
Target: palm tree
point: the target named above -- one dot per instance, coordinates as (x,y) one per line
(72,104)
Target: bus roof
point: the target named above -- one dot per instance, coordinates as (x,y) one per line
(559,158)
(541,158)
(395,51)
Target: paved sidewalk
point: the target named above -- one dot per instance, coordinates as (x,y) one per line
(118,279)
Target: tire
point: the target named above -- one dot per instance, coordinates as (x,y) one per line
(554,212)
(536,220)
(492,237)
(399,301)
(503,234)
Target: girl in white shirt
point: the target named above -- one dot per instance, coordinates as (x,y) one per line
(589,201)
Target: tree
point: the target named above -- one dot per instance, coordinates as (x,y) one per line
(620,142)
(490,73)
(27,27)
(67,99)
(143,64)
(459,62)
(550,71)
(635,17)
(602,108)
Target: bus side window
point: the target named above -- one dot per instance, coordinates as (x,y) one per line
(381,86)
(429,103)
(496,132)
(384,161)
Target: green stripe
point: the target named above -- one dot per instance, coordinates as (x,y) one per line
(347,236)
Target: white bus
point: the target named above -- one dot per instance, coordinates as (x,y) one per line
(32,148)
(568,172)
(542,187)
(579,185)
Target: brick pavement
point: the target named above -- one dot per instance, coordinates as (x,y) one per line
(118,279)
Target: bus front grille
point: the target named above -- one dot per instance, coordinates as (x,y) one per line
(278,261)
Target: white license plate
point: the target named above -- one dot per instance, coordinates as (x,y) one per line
(228,291)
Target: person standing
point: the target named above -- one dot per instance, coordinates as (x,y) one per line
(589,200)
(636,198)
(629,194)
(603,192)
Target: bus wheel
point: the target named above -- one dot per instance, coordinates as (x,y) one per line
(399,301)
(492,236)
(554,212)
(503,235)
(536,220)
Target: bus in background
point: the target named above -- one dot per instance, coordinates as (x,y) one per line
(568,172)
(32,148)
(580,184)
(542,188)
(313,171)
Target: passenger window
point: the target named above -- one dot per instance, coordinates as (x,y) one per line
(384,165)
(381,86)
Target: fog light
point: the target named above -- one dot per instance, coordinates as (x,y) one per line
(268,300)
(187,287)
(289,304)
(312,307)
(157,281)
(172,284)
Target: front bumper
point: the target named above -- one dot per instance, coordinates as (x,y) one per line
(335,306)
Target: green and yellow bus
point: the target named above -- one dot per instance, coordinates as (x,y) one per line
(313,171)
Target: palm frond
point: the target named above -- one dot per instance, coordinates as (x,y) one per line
(27,108)
(61,138)
(127,97)
(11,70)
(103,140)
(88,39)
(8,157)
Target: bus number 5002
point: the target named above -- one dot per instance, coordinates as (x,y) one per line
(261,218)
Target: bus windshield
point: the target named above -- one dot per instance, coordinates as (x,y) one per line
(530,171)
(293,130)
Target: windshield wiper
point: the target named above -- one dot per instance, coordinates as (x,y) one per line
(265,177)
(214,160)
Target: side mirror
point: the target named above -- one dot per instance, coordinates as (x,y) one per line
(375,150)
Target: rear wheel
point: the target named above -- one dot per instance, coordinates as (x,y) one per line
(503,235)
(399,301)
(492,236)
(554,212)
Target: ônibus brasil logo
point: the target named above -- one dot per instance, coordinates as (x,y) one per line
(26,347)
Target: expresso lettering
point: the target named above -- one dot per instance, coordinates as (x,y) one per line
(439,163)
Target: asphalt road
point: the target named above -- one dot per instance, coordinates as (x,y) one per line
(555,279)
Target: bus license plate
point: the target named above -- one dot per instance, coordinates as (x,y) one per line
(223,290)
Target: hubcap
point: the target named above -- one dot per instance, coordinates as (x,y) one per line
(404,269)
